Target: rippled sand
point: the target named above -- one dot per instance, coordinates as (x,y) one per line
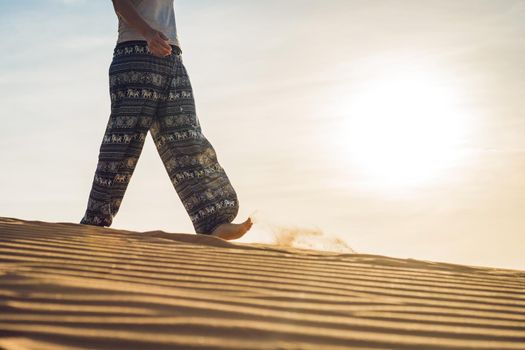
(69,286)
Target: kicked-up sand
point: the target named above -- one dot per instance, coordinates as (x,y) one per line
(69,286)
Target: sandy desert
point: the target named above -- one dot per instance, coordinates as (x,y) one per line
(70,286)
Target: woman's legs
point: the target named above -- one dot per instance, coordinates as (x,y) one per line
(190,159)
(153,93)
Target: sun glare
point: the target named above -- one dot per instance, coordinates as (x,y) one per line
(403,130)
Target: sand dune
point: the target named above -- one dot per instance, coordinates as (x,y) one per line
(68,286)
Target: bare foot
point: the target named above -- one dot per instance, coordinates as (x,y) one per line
(232,231)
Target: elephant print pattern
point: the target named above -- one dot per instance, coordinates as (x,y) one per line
(154,94)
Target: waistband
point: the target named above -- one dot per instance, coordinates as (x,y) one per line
(139,47)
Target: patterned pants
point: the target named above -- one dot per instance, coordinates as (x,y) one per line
(150,93)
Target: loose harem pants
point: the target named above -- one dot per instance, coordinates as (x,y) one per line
(150,93)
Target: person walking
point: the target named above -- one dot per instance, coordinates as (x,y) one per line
(150,91)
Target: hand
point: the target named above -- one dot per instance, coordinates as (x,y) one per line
(158,43)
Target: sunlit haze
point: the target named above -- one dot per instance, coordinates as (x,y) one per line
(403,128)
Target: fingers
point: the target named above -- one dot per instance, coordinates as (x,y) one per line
(162,40)
(159,50)
(159,45)
(156,50)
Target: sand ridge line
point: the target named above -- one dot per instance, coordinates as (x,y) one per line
(375,310)
(128,276)
(383,326)
(137,285)
(478,295)
(194,266)
(507,281)
(301,331)
(195,239)
(377,264)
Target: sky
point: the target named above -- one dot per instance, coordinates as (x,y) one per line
(394,126)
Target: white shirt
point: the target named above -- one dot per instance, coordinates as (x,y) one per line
(159,14)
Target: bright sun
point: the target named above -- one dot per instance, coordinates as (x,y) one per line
(403,130)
